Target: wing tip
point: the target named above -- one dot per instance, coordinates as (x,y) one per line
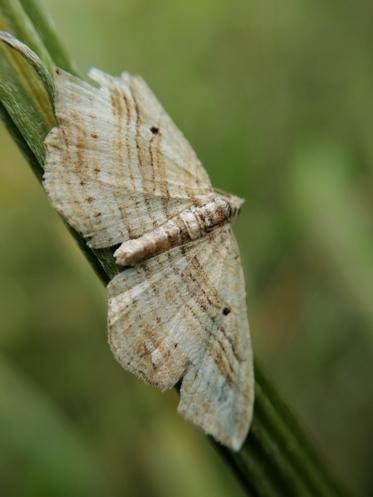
(233,439)
(229,421)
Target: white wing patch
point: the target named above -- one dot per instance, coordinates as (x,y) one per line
(182,314)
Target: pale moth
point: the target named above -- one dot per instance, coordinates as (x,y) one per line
(122,174)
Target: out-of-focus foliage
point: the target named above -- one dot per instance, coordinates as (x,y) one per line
(277,100)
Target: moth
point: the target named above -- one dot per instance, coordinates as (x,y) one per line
(121,173)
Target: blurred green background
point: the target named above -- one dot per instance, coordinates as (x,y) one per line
(276,98)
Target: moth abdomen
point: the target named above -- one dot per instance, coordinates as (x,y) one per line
(191,224)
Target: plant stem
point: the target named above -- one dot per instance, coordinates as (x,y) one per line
(15,20)
(47,34)
(277,459)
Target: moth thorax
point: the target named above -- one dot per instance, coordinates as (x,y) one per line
(191,224)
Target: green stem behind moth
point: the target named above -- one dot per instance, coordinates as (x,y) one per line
(47,34)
